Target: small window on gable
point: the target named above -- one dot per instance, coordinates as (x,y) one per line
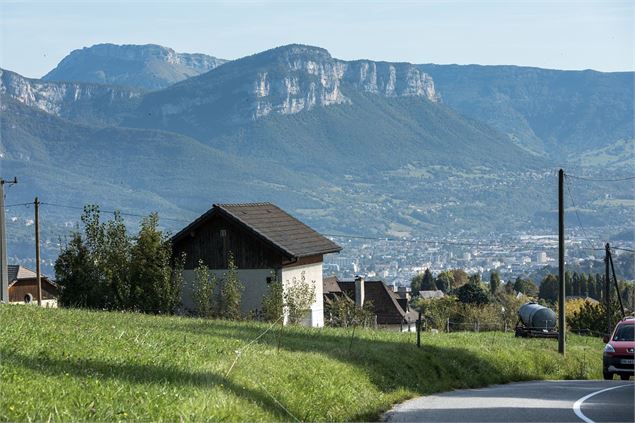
(269,279)
(223,233)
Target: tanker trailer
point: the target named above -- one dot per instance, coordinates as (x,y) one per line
(536,321)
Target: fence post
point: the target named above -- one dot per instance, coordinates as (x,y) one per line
(419,331)
(447,325)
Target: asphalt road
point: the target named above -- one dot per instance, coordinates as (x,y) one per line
(544,401)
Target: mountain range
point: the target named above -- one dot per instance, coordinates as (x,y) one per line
(359,147)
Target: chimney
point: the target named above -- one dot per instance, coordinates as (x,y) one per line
(359,291)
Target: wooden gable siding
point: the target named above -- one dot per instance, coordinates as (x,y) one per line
(206,243)
(20,289)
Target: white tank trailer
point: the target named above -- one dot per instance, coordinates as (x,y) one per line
(536,321)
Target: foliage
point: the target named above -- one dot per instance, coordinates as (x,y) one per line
(445,281)
(75,273)
(139,368)
(525,286)
(549,288)
(591,318)
(460,277)
(472,292)
(273,301)
(154,290)
(494,282)
(231,292)
(343,312)
(298,297)
(423,282)
(204,293)
(107,269)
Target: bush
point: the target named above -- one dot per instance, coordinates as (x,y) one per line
(204,291)
(231,292)
(343,312)
(298,297)
(273,301)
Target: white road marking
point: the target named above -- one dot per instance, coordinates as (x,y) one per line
(576,407)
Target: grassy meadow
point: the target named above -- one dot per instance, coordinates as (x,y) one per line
(75,365)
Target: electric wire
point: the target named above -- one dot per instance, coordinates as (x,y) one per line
(584,178)
(575,209)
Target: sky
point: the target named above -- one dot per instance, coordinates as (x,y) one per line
(594,34)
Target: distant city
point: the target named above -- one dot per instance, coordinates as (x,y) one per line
(396,261)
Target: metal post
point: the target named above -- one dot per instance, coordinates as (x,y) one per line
(607,289)
(561,292)
(38,275)
(4,271)
(419,331)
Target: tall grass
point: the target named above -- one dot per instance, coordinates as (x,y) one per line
(70,365)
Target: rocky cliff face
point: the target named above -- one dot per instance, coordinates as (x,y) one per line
(313,78)
(148,67)
(68,100)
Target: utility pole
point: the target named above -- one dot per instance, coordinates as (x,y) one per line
(607,288)
(37,252)
(4,271)
(561,293)
(617,287)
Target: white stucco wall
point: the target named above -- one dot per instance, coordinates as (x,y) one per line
(254,281)
(312,275)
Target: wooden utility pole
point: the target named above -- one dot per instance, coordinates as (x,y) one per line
(4,270)
(617,287)
(561,293)
(607,289)
(37,252)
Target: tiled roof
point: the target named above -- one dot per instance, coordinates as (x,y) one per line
(18,272)
(386,306)
(275,226)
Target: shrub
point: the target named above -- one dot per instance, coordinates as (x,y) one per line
(298,297)
(273,301)
(204,291)
(231,292)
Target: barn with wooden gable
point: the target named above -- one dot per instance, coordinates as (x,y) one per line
(266,243)
(23,287)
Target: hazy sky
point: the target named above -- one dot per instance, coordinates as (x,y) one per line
(550,34)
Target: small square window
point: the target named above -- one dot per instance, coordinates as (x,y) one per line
(269,279)
(223,233)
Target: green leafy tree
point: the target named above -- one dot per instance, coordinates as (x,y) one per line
(299,295)
(549,288)
(460,278)
(427,284)
(117,248)
(525,286)
(204,291)
(153,287)
(494,282)
(273,301)
(445,281)
(575,284)
(75,272)
(568,283)
(231,292)
(472,293)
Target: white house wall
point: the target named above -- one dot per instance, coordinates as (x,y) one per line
(253,280)
(312,275)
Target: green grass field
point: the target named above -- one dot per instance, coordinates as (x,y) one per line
(73,365)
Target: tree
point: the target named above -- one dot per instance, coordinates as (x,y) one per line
(472,293)
(273,301)
(549,288)
(494,282)
(204,291)
(445,281)
(584,285)
(427,284)
(75,272)
(299,295)
(509,287)
(153,287)
(525,286)
(575,284)
(231,291)
(568,283)
(459,277)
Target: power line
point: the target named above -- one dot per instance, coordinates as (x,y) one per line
(17,204)
(584,178)
(111,212)
(623,249)
(575,209)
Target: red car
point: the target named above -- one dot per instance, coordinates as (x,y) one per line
(619,352)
